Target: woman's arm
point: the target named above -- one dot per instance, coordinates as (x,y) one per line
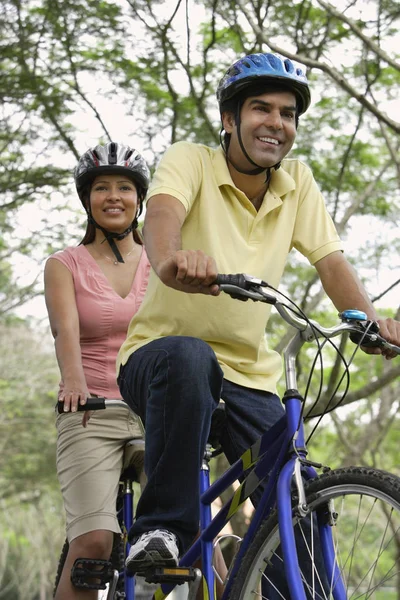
(64,323)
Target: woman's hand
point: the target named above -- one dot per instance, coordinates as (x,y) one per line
(74,395)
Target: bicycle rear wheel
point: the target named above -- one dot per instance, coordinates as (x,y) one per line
(365,504)
(60,566)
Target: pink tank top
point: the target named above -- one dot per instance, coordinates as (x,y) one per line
(103,316)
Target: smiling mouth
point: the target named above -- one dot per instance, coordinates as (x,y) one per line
(269,140)
(113,210)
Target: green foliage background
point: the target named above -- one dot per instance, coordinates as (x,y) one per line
(69,65)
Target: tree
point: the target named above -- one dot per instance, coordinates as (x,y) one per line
(47,48)
(160,62)
(32,517)
(28,381)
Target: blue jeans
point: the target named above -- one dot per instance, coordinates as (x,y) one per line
(174,384)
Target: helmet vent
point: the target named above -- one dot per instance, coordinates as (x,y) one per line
(96,157)
(128,154)
(289,66)
(112,154)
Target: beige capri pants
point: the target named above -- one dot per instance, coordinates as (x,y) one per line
(89,464)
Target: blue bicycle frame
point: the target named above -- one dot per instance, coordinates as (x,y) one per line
(275,456)
(280,458)
(126,513)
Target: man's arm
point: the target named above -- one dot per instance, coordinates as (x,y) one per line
(344,288)
(189,271)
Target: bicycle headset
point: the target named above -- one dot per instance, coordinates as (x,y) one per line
(253,75)
(112,158)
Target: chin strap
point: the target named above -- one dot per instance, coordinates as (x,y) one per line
(258,169)
(110,236)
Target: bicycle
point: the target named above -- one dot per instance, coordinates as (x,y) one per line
(295,530)
(108,576)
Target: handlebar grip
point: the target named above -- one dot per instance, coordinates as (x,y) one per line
(238,280)
(91,404)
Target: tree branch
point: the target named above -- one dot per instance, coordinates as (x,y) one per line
(321,66)
(364,392)
(355,29)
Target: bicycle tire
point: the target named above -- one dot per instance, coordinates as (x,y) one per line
(118,561)
(369,567)
(60,566)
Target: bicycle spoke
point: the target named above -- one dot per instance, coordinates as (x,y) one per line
(311,587)
(263,576)
(365,538)
(271,583)
(383,546)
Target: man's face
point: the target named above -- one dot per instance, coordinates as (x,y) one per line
(268,128)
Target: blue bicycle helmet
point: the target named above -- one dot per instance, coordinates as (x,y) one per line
(265,68)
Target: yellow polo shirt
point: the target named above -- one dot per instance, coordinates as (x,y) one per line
(223,223)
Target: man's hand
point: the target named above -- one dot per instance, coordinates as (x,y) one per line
(190,271)
(390,330)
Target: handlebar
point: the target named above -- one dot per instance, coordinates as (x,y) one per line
(364,332)
(96,403)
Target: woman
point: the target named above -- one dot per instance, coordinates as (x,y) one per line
(92,291)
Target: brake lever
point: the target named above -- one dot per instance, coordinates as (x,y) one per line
(371,332)
(252,293)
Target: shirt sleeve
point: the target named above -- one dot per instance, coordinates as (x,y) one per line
(315,234)
(66,258)
(178,174)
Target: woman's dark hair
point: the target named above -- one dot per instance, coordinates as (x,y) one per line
(90,232)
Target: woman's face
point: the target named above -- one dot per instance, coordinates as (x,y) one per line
(113,202)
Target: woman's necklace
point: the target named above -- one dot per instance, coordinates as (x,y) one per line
(114,260)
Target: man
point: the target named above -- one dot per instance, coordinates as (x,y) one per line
(240,208)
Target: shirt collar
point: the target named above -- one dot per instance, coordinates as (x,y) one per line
(221,170)
(281,182)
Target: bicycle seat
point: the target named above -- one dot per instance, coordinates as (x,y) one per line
(218,424)
(133,460)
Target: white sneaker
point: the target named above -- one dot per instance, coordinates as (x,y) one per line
(158,548)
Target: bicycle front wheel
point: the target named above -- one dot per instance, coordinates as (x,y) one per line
(363,506)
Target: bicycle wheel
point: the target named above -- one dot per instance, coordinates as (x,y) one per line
(61,561)
(118,562)
(366,538)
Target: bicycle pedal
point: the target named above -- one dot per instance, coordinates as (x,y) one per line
(91,574)
(172,575)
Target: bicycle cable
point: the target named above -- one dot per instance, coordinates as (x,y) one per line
(314,328)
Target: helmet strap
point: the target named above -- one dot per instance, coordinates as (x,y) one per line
(110,236)
(258,168)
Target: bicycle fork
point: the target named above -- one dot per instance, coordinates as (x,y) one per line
(292,476)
